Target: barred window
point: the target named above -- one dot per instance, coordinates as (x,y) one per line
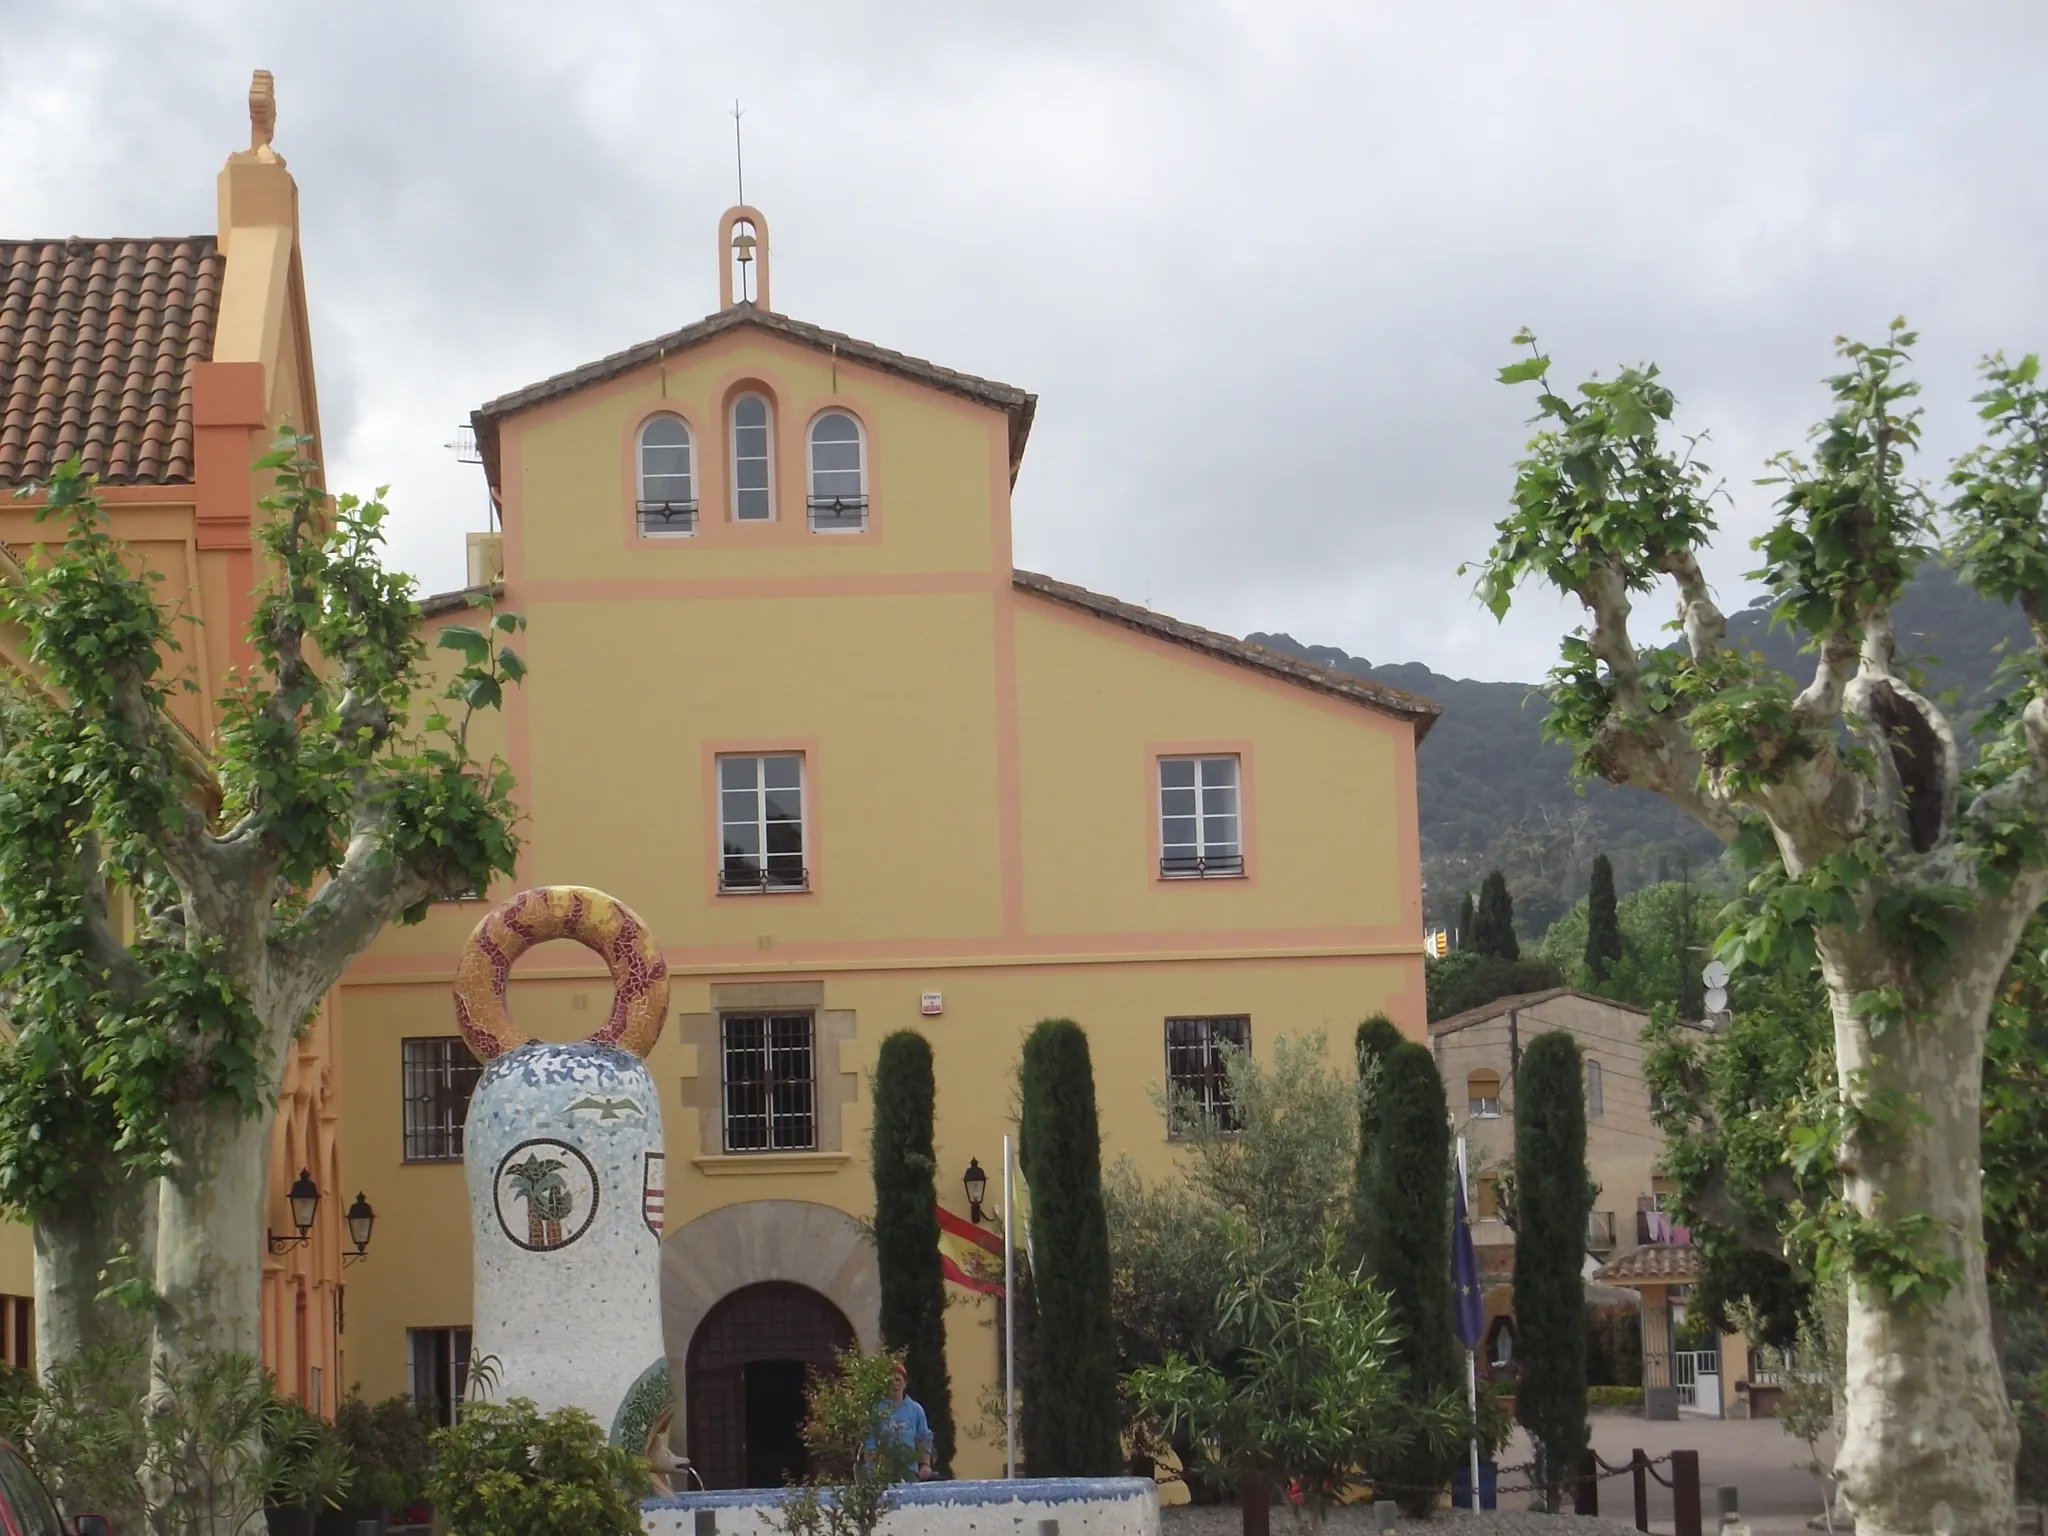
(1196,1080)
(770,1082)
(1596,1090)
(439,1076)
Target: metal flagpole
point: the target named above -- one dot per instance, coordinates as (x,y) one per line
(1009,1327)
(1471,1359)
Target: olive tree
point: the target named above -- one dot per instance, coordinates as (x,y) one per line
(172,911)
(1908,867)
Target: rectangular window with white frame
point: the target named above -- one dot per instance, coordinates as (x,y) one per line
(761,823)
(768,1069)
(1200,821)
(1197,1071)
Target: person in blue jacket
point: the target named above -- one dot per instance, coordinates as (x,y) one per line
(905,1423)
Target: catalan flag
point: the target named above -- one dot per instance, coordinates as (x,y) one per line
(970,1256)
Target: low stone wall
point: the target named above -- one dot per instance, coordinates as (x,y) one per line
(1083,1506)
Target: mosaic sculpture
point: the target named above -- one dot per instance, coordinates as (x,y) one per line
(563,1153)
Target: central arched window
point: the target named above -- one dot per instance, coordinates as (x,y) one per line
(667,505)
(839,473)
(753,498)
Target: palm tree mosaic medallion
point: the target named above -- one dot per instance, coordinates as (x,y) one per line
(556,1189)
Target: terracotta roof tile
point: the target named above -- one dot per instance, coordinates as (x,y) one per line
(97,343)
(1019,405)
(1659,1263)
(1419,712)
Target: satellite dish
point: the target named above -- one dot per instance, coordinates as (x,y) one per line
(1717,999)
(1715,975)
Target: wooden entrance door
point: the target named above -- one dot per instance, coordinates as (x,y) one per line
(745,1402)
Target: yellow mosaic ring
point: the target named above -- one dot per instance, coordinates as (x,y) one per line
(594,920)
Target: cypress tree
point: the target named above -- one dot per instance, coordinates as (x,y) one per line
(1553,1196)
(907,1230)
(1412,1185)
(1603,924)
(1074,1423)
(1493,924)
(1465,922)
(1377,1038)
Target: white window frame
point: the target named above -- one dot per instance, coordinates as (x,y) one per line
(733,430)
(842,514)
(734,882)
(665,517)
(1218,861)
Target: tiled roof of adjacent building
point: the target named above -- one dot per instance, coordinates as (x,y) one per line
(1663,1263)
(1501,1005)
(1419,712)
(97,343)
(1017,404)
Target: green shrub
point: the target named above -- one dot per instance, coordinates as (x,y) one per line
(388,1442)
(507,1469)
(853,1464)
(1614,1397)
(1553,1196)
(1467,979)
(1412,1265)
(907,1230)
(1073,1429)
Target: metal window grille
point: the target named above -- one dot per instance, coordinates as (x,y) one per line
(839,491)
(439,1076)
(771,1091)
(1596,1090)
(761,823)
(668,498)
(17,1331)
(438,1362)
(1198,818)
(1197,1079)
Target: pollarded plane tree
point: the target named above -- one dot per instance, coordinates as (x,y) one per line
(1905,864)
(172,911)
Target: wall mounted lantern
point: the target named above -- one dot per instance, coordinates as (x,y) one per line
(304,1199)
(361,1217)
(976,1184)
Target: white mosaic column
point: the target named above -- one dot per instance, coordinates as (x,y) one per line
(564,1157)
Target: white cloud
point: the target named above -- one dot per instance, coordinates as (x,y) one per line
(1259,261)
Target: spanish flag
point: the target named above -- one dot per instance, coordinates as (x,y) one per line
(969,1256)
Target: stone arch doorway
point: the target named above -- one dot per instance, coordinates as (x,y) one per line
(801,1243)
(747,1368)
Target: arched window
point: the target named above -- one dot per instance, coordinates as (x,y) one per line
(1482,1095)
(1596,1090)
(839,473)
(667,505)
(753,461)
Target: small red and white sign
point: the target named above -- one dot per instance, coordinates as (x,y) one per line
(654,1192)
(933,1003)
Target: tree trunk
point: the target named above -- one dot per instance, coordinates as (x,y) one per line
(76,1255)
(210,1228)
(1928,1437)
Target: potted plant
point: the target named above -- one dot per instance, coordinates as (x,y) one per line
(387,1442)
(305,1467)
(1495,1428)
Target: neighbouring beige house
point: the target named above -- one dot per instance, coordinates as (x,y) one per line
(1632,1246)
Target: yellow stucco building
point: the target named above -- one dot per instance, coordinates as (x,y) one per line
(790,700)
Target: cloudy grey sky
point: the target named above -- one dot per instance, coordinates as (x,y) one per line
(1258,258)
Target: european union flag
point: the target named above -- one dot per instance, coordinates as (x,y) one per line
(1471,1314)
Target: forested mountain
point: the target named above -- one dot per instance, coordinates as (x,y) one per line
(1496,795)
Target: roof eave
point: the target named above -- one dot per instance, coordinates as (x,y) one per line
(1019,406)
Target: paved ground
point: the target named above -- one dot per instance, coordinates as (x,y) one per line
(1357,1520)
(1755,1456)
